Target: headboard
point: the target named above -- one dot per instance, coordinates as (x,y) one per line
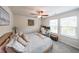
(4,38)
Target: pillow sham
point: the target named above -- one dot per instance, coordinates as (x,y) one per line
(18,46)
(8,47)
(11,42)
(22,41)
(20,33)
(26,37)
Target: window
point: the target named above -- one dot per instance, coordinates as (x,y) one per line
(4,17)
(68,26)
(53,25)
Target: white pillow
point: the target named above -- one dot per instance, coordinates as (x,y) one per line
(18,46)
(10,43)
(14,36)
(20,33)
(12,40)
(22,41)
(25,37)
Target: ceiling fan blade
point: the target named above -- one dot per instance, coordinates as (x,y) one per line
(44,15)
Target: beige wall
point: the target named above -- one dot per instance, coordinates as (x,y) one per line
(4,29)
(22,24)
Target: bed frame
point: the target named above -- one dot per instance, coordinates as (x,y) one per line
(4,39)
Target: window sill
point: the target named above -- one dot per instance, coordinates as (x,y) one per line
(69,36)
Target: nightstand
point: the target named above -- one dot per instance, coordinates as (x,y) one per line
(54,37)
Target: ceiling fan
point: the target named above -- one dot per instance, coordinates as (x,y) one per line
(40,14)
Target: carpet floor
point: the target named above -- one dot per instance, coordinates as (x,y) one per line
(59,47)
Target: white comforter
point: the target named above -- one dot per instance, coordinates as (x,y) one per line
(37,43)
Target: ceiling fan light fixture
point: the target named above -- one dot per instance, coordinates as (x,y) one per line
(39,16)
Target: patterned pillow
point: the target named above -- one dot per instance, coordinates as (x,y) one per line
(22,41)
(18,46)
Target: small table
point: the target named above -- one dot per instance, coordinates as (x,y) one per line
(54,37)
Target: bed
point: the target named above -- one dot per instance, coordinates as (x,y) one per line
(38,43)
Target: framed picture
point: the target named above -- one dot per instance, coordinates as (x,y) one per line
(4,17)
(30,22)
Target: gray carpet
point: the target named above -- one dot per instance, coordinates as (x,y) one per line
(59,47)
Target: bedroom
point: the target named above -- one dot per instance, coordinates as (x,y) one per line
(61,22)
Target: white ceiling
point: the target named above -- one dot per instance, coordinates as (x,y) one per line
(50,10)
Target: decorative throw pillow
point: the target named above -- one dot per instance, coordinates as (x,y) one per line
(11,42)
(15,44)
(18,46)
(20,33)
(8,47)
(25,37)
(22,41)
